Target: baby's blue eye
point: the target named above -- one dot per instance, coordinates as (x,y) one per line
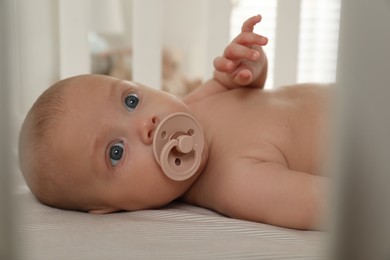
(116,153)
(131,101)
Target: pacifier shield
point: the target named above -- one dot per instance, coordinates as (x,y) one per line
(178,145)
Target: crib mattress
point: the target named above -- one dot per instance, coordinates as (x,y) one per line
(177,231)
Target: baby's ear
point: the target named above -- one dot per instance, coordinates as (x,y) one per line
(103,211)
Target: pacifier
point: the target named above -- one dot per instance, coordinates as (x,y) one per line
(178,145)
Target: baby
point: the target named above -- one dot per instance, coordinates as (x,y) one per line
(87,143)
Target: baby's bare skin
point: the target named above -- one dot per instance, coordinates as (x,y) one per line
(265,149)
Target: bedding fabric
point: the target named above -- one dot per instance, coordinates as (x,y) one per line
(177,231)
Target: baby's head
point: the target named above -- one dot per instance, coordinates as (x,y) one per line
(86,144)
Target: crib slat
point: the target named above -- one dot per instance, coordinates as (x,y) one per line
(73,40)
(147,41)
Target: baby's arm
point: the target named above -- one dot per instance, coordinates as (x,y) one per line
(271,193)
(243,64)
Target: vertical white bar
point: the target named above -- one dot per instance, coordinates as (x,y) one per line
(286,42)
(33,63)
(147,42)
(35,50)
(217,32)
(73,38)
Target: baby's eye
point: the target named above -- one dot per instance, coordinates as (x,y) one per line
(116,153)
(131,101)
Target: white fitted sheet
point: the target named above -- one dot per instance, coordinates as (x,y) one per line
(177,231)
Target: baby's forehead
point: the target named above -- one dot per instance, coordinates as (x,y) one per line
(82,90)
(98,83)
(92,82)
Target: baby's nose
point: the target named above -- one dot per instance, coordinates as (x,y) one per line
(148,127)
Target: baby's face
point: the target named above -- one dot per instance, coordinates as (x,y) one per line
(107,137)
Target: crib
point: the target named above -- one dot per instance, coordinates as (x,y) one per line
(49,43)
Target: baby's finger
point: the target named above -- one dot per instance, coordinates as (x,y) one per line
(243,77)
(223,65)
(249,38)
(249,24)
(236,51)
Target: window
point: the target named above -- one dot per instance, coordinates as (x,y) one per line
(318,40)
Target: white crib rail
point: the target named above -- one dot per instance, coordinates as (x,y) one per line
(73,25)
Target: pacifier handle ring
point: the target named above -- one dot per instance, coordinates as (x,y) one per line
(167,169)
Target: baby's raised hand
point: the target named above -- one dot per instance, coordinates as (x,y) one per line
(243,62)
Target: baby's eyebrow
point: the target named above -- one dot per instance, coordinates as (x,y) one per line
(115,86)
(128,83)
(99,155)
